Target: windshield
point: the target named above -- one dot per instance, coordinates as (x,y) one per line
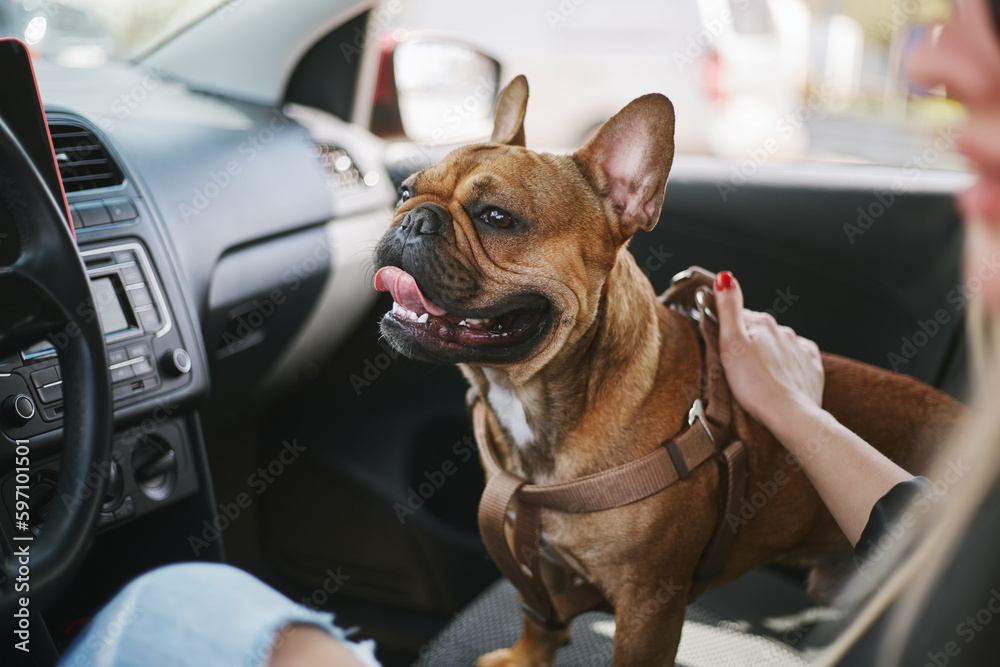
(87,33)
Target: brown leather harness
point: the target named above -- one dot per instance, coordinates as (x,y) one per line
(706,436)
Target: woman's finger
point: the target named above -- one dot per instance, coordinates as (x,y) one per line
(729,304)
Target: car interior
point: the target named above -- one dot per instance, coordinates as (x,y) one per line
(202,227)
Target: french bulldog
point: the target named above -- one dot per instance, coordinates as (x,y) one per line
(514,265)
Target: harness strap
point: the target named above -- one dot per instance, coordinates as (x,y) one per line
(733,462)
(499,492)
(622,485)
(732,459)
(704,437)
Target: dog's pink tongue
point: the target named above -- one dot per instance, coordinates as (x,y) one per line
(404,291)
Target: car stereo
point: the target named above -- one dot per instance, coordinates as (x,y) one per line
(142,351)
(127,298)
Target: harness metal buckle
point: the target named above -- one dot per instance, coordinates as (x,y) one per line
(681,275)
(701,298)
(697,412)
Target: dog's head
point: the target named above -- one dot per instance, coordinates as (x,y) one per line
(497,255)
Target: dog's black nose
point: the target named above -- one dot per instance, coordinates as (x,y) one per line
(426,219)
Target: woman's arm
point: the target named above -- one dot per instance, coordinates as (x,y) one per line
(777,377)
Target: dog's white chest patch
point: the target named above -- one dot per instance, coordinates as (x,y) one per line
(510,412)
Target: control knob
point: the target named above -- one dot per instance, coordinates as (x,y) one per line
(176,362)
(18,410)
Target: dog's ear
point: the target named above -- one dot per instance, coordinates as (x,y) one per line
(508,121)
(628,160)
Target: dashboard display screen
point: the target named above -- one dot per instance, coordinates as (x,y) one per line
(109,306)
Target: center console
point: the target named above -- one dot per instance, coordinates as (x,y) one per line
(145,353)
(151,462)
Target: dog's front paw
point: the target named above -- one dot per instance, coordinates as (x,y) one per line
(504,657)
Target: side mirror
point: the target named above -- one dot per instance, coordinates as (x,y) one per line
(434,91)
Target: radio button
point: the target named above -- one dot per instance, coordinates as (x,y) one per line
(93,214)
(121,209)
(44,377)
(143,367)
(117,356)
(148,318)
(121,374)
(132,275)
(51,393)
(140,297)
(124,256)
(138,350)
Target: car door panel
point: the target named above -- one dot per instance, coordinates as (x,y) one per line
(887,292)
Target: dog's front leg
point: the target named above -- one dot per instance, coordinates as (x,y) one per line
(648,626)
(536,648)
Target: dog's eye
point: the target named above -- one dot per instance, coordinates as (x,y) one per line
(497,218)
(404,194)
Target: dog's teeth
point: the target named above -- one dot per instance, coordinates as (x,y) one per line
(474,321)
(423,318)
(402,311)
(463,323)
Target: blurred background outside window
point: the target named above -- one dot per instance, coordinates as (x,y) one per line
(757,81)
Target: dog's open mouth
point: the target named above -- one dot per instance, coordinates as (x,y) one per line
(508,325)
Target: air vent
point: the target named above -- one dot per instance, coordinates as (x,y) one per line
(84,164)
(345,177)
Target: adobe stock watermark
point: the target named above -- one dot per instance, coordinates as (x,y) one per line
(247,323)
(377,22)
(421,151)
(164,410)
(220,179)
(87,312)
(654,260)
(783,301)
(259,481)
(934,492)
(562,12)
(712,28)
(123,105)
(944,141)
(967,629)
(928,328)
(226,9)
(785,128)
(372,367)
(902,14)
(333,582)
(100,472)
(666,592)
(99,642)
(464,449)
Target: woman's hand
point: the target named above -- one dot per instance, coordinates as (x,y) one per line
(771,371)
(777,377)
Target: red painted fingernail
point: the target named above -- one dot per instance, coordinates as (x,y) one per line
(723,281)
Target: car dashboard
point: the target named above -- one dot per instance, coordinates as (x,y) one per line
(225,242)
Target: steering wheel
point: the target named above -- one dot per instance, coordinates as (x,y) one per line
(45,290)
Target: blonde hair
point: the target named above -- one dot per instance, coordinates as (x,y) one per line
(918,563)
